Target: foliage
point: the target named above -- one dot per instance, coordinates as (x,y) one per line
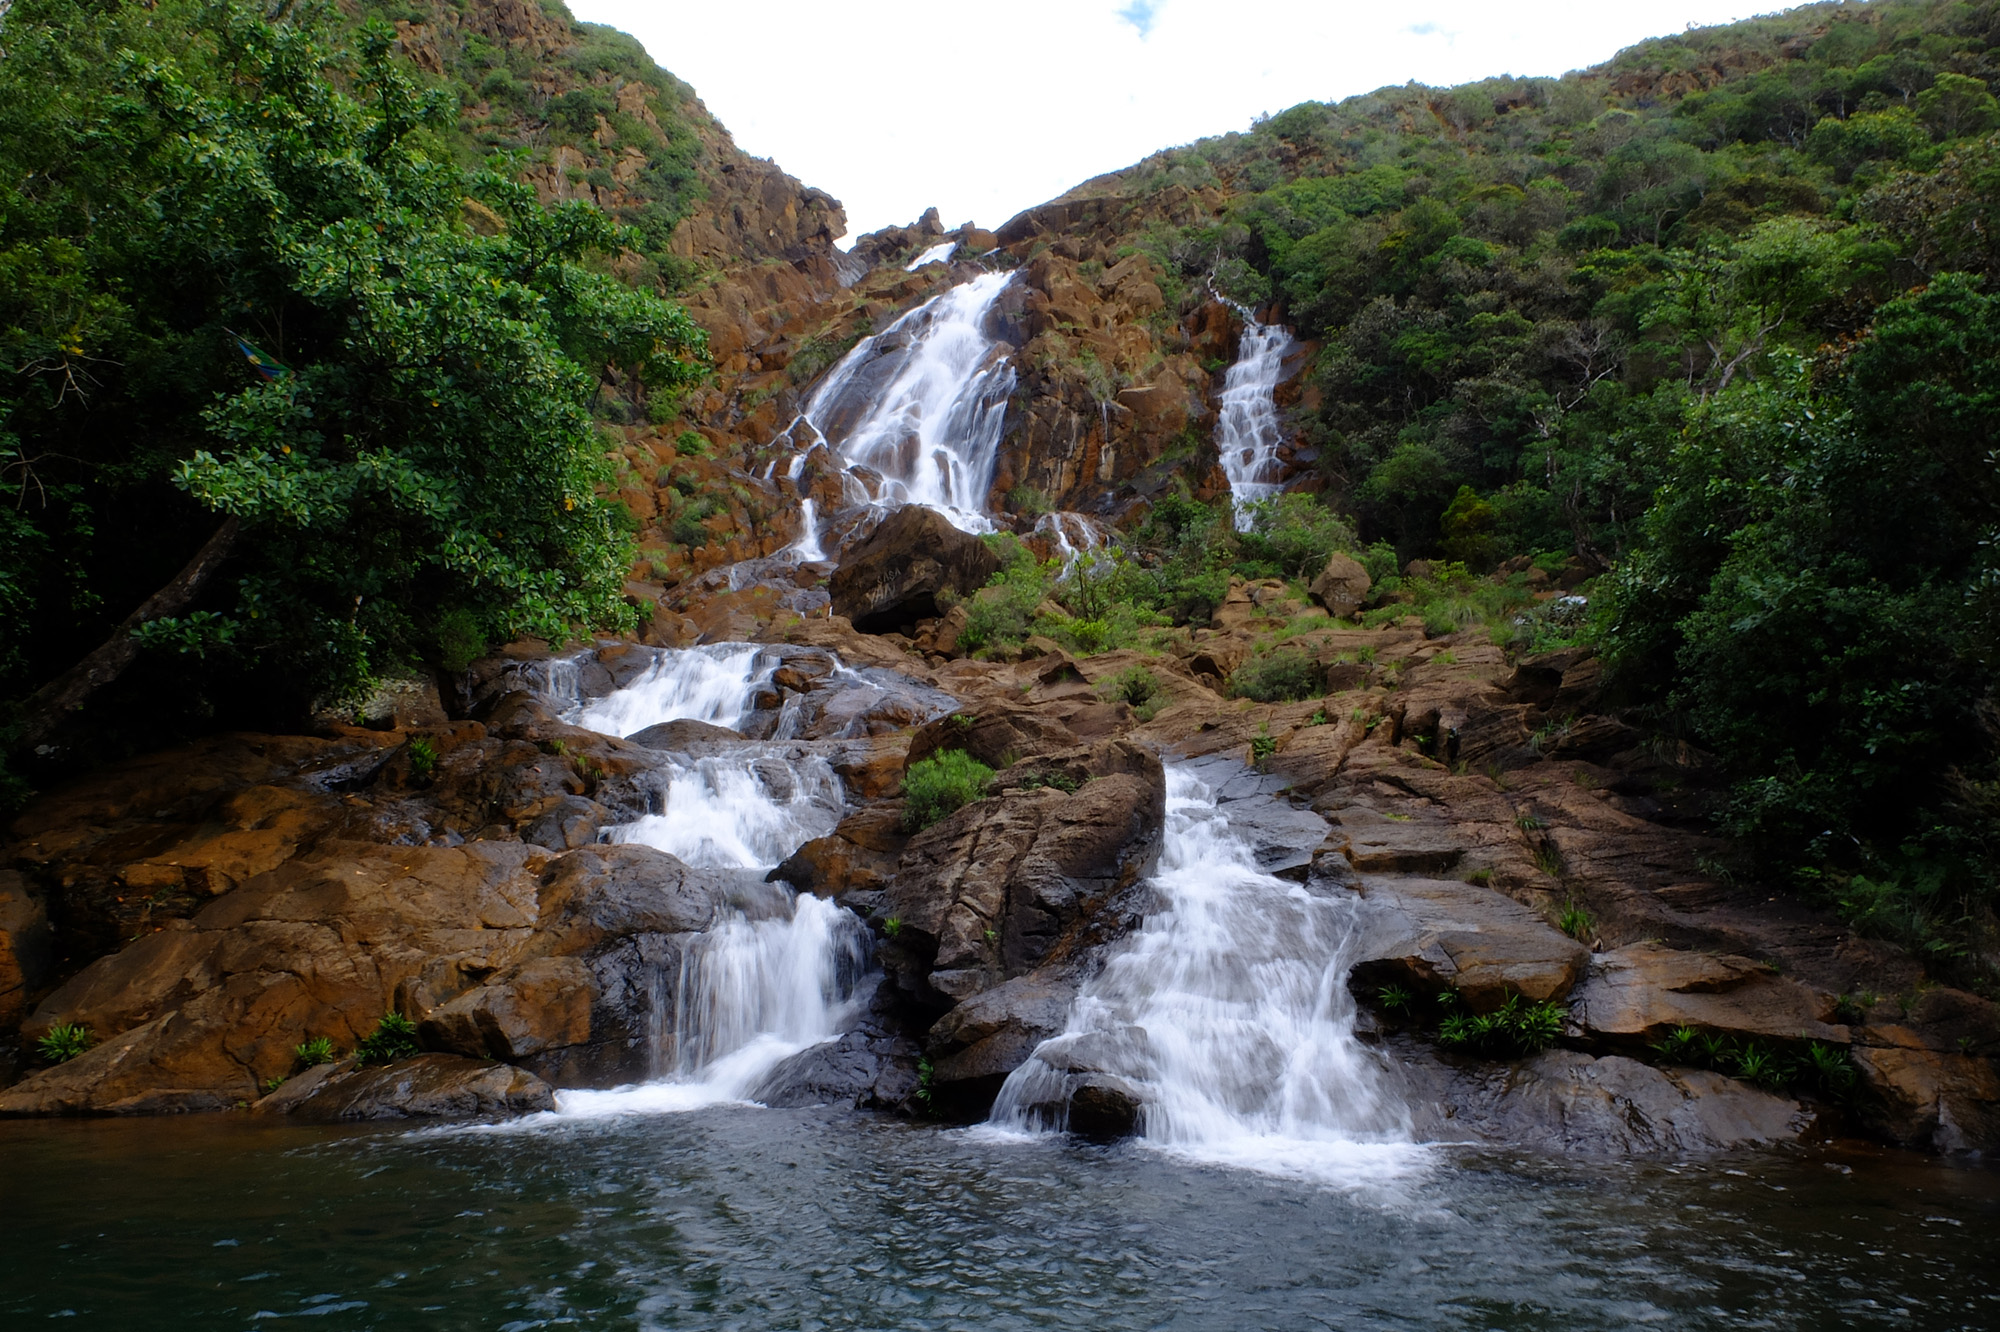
(1576,921)
(1140,688)
(1285,675)
(394,1037)
(941,784)
(1513,1029)
(418,471)
(423,754)
(1827,1070)
(63,1042)
(316,1050)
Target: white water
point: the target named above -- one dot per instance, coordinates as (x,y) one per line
(711,684)
(937,254)
(1247,434)
(1229,1011)
(807,547)
(748,994)
(745,809)
(925,425)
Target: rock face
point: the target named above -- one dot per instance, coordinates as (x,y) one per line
(894,577)
(996,889)
(430,1086)
(500,949)
(1638,994)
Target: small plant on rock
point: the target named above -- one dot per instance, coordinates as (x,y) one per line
(1262,746)
(1137,686)
(1576,922)
(941,785)
(394,1037)
(64,1042)
(423,758)
(318,1050)
(1395,999)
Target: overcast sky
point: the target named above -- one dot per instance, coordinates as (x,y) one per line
(986,109)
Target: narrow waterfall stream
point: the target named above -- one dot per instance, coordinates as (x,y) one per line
(748,993)
(1247,434)
(919,406)
(1228,1011)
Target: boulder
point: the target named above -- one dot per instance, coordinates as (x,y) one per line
(997,735)
(429,1086)
(894,578)
(1341,587)
(872,1067)
(1434,933)
(989,1035)
(1103,1107)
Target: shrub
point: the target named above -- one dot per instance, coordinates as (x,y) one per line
(461,640)
(941,784)
(1284,676)
(394,1037)
(1293,536)
(1576,922)
(63,1042)
(1139,687)
(688,529)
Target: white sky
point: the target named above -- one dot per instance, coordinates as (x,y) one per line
(984,110)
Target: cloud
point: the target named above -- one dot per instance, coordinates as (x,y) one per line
(1140,14)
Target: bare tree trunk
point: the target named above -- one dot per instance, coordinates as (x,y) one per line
(49,706)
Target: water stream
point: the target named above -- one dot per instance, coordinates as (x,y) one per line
(1247,432)
(1229,1011)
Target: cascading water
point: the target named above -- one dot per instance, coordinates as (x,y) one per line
(920,406)
(1229,1012)
(1247,433)
(747,993)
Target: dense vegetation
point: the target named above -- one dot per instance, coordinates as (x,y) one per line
(408,466)
(1719,318)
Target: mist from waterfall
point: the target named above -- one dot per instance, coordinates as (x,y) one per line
(1228,1011)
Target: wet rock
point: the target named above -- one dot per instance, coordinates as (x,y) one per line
(854,863)
(1381,845)
(1434,933)
(996,735)
(429,1086)
(1565,1101)
(1103,1107)
(1342,586)
(676,735)
(893,578)
(571,823)
(1638,994)
(988,1036)
(872,1067)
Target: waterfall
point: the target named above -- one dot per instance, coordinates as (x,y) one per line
(1228,1011)
(937,254)
(746,994)
(1247,433)
(920,406)
(807,547)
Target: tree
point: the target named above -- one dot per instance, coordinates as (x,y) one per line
(417,450)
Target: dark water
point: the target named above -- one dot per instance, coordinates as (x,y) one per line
(738,1218)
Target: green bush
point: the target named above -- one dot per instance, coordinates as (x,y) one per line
(941,784)
(423,757)
(64,1042)
(687,528)
(394,1037)
(1139,687)
(1283,676)
(1292,536)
